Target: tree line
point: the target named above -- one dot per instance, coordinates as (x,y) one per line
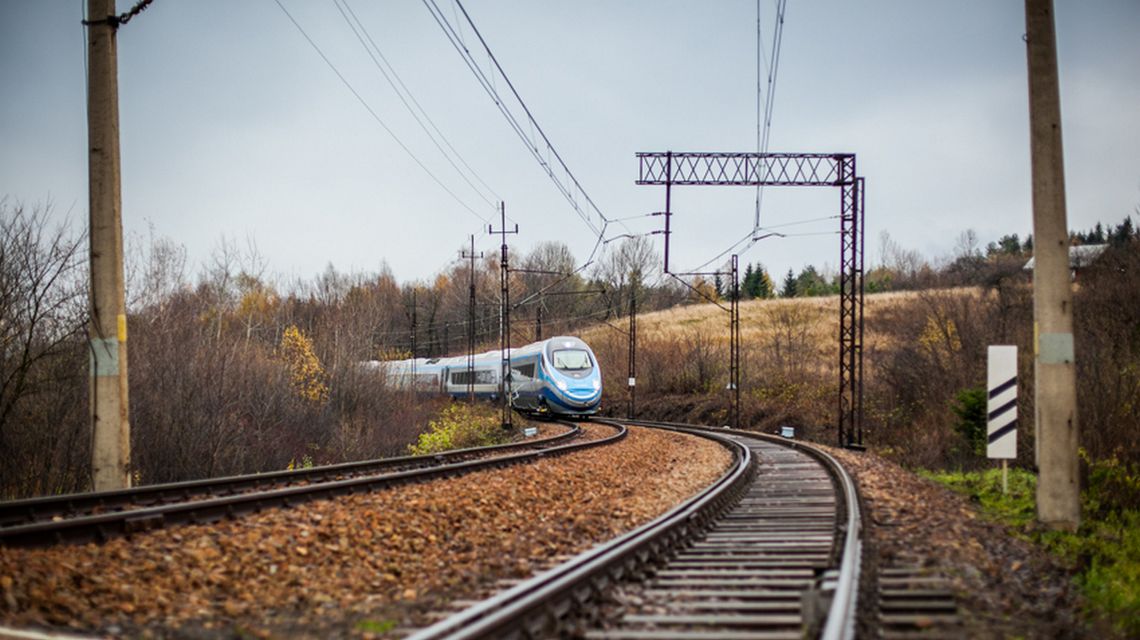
(236,371)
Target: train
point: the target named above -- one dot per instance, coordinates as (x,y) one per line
(558,376)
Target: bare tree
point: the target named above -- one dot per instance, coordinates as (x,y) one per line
(630,265)
(156,271)
(42,317)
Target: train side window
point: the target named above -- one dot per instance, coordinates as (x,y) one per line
(482,376)
(526,370)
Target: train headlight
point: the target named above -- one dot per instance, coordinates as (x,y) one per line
(561,384)
(597,384)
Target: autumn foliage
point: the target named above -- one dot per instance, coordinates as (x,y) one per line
(305,370)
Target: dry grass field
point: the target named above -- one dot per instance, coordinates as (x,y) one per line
(789,356)
(808,326)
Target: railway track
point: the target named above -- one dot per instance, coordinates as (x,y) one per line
(98,516)
(770,550)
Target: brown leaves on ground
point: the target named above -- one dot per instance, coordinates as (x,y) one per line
(1006,586)
(339,566)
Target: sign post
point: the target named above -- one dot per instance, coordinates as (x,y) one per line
(1001,407)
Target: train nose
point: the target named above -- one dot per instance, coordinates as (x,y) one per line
(581,388)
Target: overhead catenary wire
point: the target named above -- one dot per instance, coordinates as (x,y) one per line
(755,235)
(765,103)
(530,134)
(376,117)
(764,119)
(405,94)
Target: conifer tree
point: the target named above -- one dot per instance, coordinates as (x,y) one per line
(789,290)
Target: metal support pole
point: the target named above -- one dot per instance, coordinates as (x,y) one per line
(790,169)
(1058,486)
(413,339)
(849,430)
(471,319)
(538,321)
(861,243)
(734,339)
(107,331)
(632,350)
(505,315)
(668,210)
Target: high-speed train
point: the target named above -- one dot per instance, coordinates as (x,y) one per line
(557,376)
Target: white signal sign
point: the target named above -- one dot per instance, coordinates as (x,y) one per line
(1001,406)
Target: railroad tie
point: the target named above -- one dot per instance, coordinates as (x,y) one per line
(916,602)
(748,575)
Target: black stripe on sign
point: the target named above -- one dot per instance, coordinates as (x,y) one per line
(996,391)
(997,435)
(1012,404)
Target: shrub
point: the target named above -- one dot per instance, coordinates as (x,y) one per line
(970,407)
(1106,549)
(460,426)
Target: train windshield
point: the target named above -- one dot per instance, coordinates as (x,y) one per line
(572,360)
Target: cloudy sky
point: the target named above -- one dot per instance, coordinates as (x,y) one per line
(233,126)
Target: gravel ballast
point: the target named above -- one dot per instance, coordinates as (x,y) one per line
(360,565)
(1006,587)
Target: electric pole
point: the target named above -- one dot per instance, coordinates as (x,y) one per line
(734,339)
(471,255)
(413,339)
(632,347)
(107,330)
(505,316)
(1058,485)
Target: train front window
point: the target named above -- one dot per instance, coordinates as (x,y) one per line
(572,360)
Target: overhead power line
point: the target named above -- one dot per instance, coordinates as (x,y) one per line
(375,116)
(404,94)
(764,118)
(765,103)
(535,140)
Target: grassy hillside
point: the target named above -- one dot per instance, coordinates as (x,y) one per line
(789,355)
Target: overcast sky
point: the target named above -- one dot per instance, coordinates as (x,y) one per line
(233,126)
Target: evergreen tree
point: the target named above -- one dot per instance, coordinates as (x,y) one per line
(762,286)
(811,283)
(748,284)
(1123,233)
(789,290)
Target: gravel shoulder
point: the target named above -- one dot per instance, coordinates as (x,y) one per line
(1006,586)
(357,566)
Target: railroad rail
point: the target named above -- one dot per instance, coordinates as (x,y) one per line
(94,517)
(771,549)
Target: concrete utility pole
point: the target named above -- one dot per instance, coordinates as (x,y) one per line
(110,409)
(1058,485)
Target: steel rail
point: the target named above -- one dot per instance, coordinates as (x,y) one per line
(534,606)
(843,610)
(101,527)
(26,511)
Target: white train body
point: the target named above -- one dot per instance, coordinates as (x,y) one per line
(557,376)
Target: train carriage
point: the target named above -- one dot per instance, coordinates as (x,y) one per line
(558,376)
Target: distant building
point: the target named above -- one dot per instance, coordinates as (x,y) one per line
(1080,257)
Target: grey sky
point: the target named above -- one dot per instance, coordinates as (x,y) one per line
(233,126)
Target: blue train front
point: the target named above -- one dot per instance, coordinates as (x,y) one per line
(558,376)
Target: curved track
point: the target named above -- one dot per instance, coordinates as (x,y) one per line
(88,517)
(769,550)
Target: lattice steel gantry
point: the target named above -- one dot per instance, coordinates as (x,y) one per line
(795,170)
